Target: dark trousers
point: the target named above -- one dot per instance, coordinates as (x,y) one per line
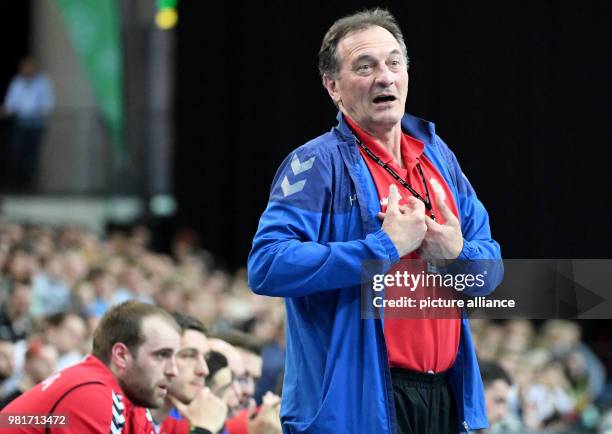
(23,156)
(424,403)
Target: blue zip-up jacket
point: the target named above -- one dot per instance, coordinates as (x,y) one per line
(319,225)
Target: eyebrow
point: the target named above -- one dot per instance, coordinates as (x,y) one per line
(369,57)
(164,350)
(188,350)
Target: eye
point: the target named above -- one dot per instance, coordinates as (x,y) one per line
(163,355)
(395,63)
(365,67)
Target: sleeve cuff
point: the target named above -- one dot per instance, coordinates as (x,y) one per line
(388,245)
(199,430)
(468,250)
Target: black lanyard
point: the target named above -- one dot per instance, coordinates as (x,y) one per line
(405,184)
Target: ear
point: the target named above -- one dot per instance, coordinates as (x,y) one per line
(331,85)
(121,356)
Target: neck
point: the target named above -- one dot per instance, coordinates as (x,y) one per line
(391,140)
(160,414)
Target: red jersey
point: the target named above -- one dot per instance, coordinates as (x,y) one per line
(238,424)
(87,394)
(424,344)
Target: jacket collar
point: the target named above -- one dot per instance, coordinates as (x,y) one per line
(416,127)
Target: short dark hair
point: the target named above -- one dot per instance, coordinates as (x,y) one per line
(187,322)
(215,361)
(240,339)
(329,64)
(491,371)
(123,323)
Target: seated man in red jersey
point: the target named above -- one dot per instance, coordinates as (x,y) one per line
(130,366)
(189,404)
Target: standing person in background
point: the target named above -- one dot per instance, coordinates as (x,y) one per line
(29,100)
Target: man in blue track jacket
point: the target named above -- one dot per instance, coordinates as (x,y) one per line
(345,374)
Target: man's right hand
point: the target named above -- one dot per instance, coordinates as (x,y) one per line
(404,225)
(205,411)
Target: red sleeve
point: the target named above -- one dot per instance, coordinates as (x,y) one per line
(92,409)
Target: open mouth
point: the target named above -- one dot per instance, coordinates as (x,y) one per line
(380,99)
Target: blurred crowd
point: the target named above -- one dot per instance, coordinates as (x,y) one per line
(56,283)
(541,377)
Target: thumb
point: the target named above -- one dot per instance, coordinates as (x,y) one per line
(394,198)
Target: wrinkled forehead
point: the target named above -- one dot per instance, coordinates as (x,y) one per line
(373,40)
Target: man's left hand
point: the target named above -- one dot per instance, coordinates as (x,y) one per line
(443,242)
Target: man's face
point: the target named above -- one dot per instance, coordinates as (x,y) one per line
(147,378)
(222,386)
(192,367)
(253,365)
(68,335)
(372,84)
(496,395)
(42,365)
(237,368)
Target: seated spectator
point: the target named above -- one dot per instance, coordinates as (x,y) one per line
(248,419)
(131,364)
(40,363)
(66,332)
(236,365)
(15,318)
(189,402)
(220,381)
(50,290)
(103,286)
(497,385)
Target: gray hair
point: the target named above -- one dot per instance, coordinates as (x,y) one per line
(329,64)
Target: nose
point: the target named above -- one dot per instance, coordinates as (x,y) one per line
(202,368)
(384,77)
(171,368)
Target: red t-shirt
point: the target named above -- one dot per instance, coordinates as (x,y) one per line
(424,344)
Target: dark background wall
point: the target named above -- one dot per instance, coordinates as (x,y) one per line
(521,93)
(15,37)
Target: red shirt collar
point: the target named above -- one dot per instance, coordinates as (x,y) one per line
(411,148)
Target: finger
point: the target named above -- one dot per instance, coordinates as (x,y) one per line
(415,204)
(432,225)
(394,198)
(177,404)
(447,214)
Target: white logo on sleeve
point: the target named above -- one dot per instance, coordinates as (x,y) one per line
(297,167)
(438,188)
